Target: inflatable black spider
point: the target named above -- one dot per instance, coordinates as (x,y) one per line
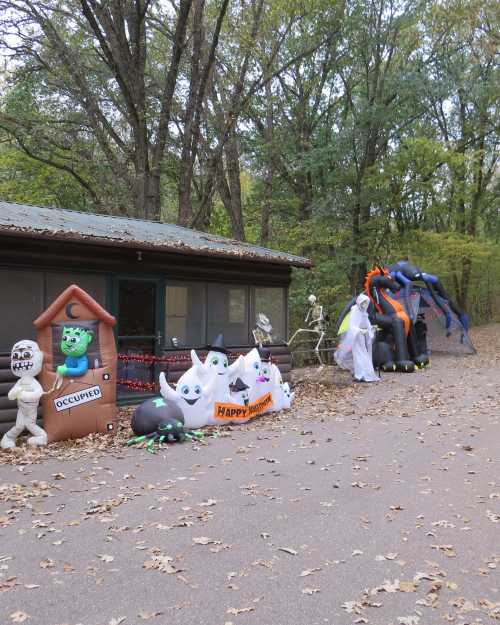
(158,421)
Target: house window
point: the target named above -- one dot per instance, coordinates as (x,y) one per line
(227,312)
(20,303)
(271,302)
(93,284)
(185,315)
(196,313)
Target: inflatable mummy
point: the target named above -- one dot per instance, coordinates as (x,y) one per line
(25,363)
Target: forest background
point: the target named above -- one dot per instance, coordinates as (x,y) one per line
(349,131)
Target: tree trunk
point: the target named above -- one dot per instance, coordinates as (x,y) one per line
(187,164)
(267,204)
(229,189)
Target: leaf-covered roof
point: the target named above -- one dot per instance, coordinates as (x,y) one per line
(43,222)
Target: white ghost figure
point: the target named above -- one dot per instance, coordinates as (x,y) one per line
(288,396)
(26,363)
(194,396)
(239,393)
(355,350)
(276,388)
(267,380)
(252,374)
(218,363)
(282,396)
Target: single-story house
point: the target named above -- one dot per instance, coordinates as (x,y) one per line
(170,288)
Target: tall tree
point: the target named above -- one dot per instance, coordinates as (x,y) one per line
(112,70)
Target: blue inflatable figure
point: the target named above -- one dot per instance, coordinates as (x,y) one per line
(406,274)
(74,345)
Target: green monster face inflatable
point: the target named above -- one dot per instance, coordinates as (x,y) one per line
(74,345)
(75,341)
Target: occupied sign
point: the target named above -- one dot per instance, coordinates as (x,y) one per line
(76,399)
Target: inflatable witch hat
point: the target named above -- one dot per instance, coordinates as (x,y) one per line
(217,345)
(238,385)
(265,354)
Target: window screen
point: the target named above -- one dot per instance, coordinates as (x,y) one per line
(271,302)
(21,302)
(185,315)
(227,312)
(93,284)
(136,308)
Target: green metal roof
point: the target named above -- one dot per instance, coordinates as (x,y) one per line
(42,222)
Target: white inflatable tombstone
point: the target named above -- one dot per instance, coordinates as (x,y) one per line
(194,396)
(217,362)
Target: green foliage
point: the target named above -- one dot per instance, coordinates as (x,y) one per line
(362,132)
(25,180)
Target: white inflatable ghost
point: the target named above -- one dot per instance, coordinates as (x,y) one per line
(355,350)
(239,393)
(282,396)
(266,384)
(252,374)
(218,363)
(288,396)
(194,396)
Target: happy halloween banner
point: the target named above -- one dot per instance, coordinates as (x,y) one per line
(235,411)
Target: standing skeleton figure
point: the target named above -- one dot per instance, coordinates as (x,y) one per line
(317,321)
(25,363)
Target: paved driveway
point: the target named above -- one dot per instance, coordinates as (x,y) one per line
(366,504)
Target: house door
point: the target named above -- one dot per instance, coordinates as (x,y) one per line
(139,309)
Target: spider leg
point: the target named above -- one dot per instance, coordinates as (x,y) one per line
(135,440)
(151,444)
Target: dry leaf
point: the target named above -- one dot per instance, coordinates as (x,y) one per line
(202,540)
(160,563)
(117,620)
(104,557)
(9,583)
(237,611)
(310,591)
(407,587)
(289,550)
(309,572)
(149,615)
(19,617)
(47,564)
(409,620)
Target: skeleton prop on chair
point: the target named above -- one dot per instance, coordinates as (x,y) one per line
(262,333)
(317,321)
(26,364)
